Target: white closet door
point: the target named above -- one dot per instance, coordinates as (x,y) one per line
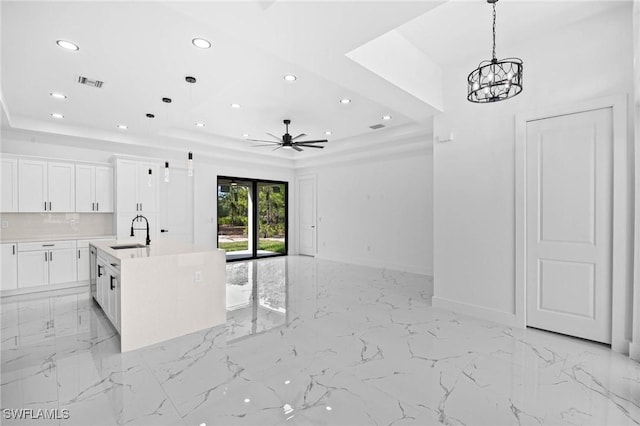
(569,207)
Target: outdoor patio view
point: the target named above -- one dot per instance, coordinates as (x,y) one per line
(235,218)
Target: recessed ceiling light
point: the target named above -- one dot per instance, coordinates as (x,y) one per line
(328,132)
(235,105)
(122,126)
(345,101)
(58,95)
(386,117)
(290,77)
(199,124)
(67,45)
(245,135)
(149,115)
(166,100)
(57,115)
(201,43)
(190,79)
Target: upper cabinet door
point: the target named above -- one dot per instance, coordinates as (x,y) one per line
(62,187)
(9,190)
(85,188)
(126,186)
(32,185)
(148,189)
(104,189)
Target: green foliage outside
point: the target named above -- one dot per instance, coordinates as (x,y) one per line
(233,209)
(268,245)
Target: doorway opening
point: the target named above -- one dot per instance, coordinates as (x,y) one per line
(252,217)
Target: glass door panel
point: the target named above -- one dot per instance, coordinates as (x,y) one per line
(272,219)
(235,218)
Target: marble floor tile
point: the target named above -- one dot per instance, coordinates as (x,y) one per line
(309,342)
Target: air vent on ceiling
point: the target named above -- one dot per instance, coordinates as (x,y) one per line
(88,82)
(376,126)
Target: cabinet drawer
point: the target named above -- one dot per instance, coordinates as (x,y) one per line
(47,245)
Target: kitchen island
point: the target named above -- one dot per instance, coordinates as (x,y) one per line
(158,292)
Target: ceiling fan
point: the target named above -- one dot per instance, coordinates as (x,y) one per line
(288,142)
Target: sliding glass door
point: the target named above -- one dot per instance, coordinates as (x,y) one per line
(252,217)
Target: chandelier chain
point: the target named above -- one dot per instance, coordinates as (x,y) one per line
(494,31)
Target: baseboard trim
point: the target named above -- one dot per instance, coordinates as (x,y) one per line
(481,312)
(43,288)
(420,270)
(634,350)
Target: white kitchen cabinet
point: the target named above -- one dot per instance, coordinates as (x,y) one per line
(137,187)
(9,190)
(9,266)
(83,263)
(46,186)
(33,268)
(94,188)
(108,288)
(62,266)
(43,263)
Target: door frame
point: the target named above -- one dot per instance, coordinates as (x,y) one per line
(314,179)
(621,214)
(255,221)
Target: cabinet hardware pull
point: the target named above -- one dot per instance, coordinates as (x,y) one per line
(111,284)
(45,206)
(14,249)
(97,207)
(49,205)
(45,256)
(50,255)
(99,270)
(93,206)
(48,245)
(78,254)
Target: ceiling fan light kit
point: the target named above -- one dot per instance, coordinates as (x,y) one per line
(289,142)
(495,80)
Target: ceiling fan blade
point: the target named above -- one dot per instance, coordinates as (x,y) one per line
(314,141)
(274,136)
(299,136)
(261,140)
(255,146)
(308,146)
(277,148)
(296,148)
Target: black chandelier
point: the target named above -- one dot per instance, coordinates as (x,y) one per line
(495,80)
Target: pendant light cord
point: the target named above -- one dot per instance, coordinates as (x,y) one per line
(494,31)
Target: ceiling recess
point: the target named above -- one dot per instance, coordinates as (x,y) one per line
(88,82)
(377,126)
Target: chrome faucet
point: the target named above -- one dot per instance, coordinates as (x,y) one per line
(140,217)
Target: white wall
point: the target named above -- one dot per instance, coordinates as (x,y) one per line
(474,179)
(377,211)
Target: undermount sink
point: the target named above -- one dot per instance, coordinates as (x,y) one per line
(128,246)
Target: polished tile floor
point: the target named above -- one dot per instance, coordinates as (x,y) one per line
(310,342)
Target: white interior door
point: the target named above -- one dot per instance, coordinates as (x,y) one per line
(307,230)
(569,225)
(176,206)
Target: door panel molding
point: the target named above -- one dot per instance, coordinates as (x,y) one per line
(621,215)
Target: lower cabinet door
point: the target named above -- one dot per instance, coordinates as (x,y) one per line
(102,285)
(9,270)
(62,266)
(33,268)
(83,263)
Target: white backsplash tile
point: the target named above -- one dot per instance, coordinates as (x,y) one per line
(49,225)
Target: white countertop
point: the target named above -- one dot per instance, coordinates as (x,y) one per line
(155,249)
(54,238)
